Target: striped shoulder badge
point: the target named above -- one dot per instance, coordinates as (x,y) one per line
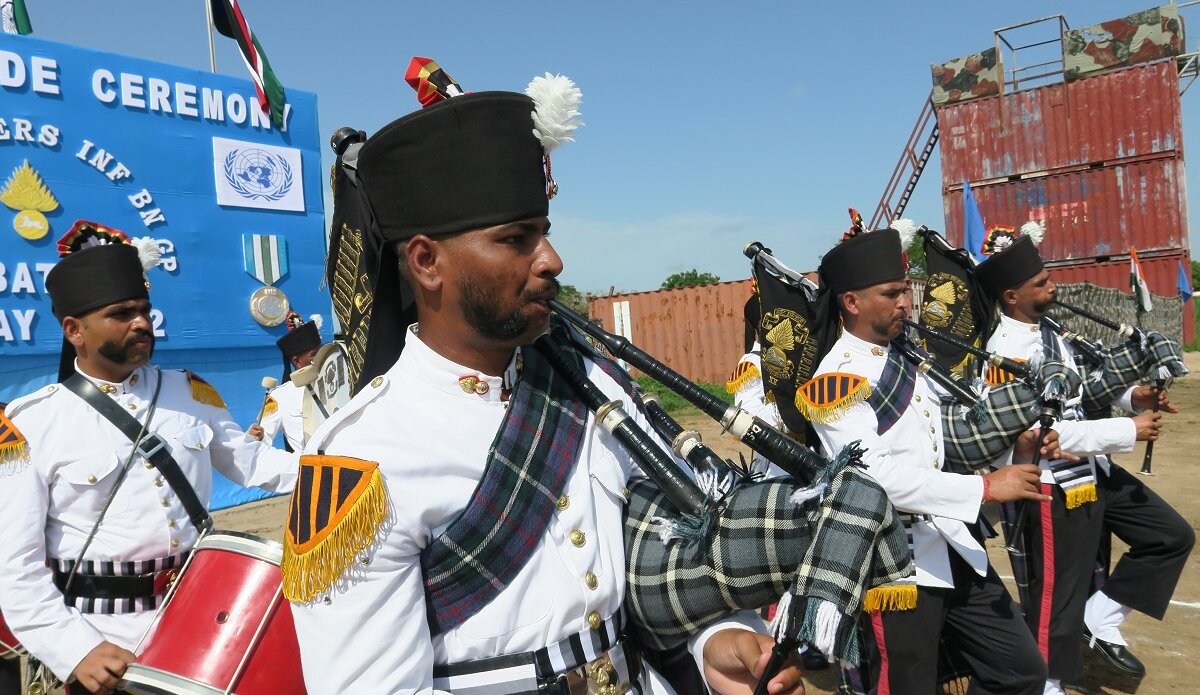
(13,447)
(203,392)
(337,508)
(827,397)
(743,374)
(997,376)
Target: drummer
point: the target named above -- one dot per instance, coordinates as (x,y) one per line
(285,404)
(75,488)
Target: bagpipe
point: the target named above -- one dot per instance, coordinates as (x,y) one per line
(697,550)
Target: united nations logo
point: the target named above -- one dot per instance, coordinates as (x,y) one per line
(258,175)
(942,294)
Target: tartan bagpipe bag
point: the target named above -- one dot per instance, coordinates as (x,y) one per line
(1143,355)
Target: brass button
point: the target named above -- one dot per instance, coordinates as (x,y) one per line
(166,502)
(577,538)
(174,542)
(594,620)
(158,482)
(376,382)
(563,502)
(847,355)
(91,478)
(171,523)
(591,581)
(132,406)
(627,493)
(926,413)
(147,464)
(932,431)
(51,389)
(133,380)
(108,388)
(935,447)
(918,397)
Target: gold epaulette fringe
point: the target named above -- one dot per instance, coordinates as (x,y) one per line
(13,447)
(743,374)
(270,407)
(891,597)
(826,398)
(1080,495)
(312,567)
(203,392)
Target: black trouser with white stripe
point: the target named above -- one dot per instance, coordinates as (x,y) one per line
(977,619)
(1159,539)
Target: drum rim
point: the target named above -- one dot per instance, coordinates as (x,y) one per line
(160,682)
(244,544)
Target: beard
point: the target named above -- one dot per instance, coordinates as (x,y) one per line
(484,312)
(1043,308)
(119,353)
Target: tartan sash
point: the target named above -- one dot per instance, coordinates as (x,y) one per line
(484,548)
(889,399)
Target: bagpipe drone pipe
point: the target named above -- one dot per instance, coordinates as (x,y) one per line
(696,552)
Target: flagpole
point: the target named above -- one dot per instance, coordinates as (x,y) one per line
(212,50)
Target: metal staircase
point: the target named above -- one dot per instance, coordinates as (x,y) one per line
(913,158)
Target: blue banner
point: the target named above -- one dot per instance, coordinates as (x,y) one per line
(179,155)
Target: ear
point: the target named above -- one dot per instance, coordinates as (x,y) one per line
(850,303)
(1008,297)
(72,328)
(423,255)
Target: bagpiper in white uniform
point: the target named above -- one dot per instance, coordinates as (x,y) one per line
(1088,497)
(284,411)
(51,498)
(459,194)
(957,593)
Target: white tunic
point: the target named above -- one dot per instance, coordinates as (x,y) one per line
(907,462)
(1020,340)
(431,440)
(49,507)
(288,416)
(752,398)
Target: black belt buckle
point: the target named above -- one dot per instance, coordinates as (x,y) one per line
(150,445)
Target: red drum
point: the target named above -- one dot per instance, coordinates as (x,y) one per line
(10,648)
(225,627)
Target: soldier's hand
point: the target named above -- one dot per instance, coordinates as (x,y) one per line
(101,670)
(1016,482)
(256,431)
(735,658)
(1143,399)
(1148,424)
(1051,451)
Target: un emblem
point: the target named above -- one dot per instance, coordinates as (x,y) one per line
(258,175)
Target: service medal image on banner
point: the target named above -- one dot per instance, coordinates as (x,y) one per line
(264,257)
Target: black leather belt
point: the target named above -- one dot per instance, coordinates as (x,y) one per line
(106,587)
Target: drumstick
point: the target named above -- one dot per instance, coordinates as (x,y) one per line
(268,383)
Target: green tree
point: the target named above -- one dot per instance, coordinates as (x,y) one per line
(572,297)
(1195,275)
(689,278)
(916,259)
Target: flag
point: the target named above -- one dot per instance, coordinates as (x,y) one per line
(228,20)
(954,303)
(254,175)
(974,231)
(1184,284)
(1137,281)
(14,17)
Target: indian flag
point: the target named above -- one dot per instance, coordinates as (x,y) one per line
(14,17)
(1137,281)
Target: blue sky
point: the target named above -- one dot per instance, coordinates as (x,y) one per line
(707,125)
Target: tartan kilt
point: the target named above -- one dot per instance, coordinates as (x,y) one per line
(761,545)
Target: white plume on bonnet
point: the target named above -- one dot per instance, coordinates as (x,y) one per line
(1034,230)
(556,101)
(148,251)
(318,320)
(908,232)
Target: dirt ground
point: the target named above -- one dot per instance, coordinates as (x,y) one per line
(1170,649)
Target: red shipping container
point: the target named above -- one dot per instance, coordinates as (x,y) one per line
(1133,112)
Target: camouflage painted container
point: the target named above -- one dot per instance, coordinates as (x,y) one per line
(1141,37)
(970,77)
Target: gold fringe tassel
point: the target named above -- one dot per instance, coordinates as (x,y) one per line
(891,597)
(269,408)
(1081,495)
(203,392)
(14,452)
(744,374)
(825,414)
(307,574)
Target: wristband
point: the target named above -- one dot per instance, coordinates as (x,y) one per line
(987,489)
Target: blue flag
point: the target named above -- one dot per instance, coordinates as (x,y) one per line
(974,231)
(1184,283)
